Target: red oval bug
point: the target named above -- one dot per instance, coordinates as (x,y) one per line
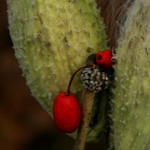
(104,58)
(66,110)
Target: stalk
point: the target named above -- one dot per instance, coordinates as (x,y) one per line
(87,103)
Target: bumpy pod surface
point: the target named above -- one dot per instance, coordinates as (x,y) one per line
(52,39)
(131,102)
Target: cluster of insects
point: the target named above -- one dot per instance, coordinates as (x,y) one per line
(94,76)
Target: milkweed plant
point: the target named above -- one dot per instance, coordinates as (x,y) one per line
(52,39)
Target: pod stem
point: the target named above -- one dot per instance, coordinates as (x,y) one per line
(69,86)
(87,103)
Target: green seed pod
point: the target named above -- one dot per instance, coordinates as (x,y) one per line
(52,39)
(131,101)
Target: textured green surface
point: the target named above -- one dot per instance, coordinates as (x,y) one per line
(131,103)
(52,38)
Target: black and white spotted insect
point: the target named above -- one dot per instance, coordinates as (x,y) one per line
(94,80)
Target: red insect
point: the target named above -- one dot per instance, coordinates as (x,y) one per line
(66,112)
(104,58)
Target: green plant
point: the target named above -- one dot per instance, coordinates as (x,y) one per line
(131,99)
(53,38)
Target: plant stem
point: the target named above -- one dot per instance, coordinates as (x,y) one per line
(87,103)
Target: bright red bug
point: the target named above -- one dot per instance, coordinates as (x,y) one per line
(104,58)
(66,112)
